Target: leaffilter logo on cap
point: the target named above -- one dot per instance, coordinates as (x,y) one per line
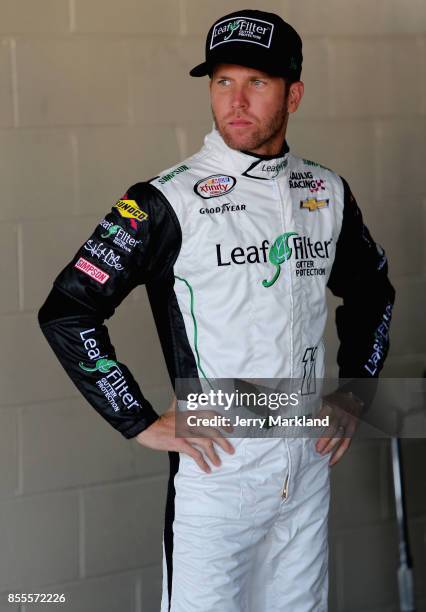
(242,29)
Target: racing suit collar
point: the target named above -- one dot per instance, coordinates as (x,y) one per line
(263,167)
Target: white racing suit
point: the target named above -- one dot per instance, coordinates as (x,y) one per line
(236,252)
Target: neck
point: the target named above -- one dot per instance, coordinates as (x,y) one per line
(275,146)
(270,150)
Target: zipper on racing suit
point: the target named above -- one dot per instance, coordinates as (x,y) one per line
(285,488)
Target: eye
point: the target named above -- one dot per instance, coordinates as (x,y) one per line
(223,82)
(258,82)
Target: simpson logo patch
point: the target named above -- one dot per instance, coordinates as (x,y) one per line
(214,186)
(242,29)
(130,210)
(91,270)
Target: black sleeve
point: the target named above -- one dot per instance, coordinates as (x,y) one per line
(137,242)
(360,276)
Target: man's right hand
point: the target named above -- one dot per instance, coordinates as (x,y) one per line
(161,435)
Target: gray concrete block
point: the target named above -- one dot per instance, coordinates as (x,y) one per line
(316,102)
(158,69)
(7,115)
(333,586)
(85,84)
(37,174)
(201,14)
(359,492)
(123,525)
(111,159)
(359,18)
(399,151)
(404,366)
(130,16)
(368,557)
(5,606)
(401,235)
(358,92)
(39,538)
(68,444)
(8,452)
(25,16)
(151,587)
(408,317)
(114,593)
(9,268)
(405,18)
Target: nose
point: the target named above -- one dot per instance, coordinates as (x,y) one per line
(239,98)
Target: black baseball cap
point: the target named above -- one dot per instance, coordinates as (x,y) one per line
(255,39)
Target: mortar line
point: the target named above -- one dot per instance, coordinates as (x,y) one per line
(20,448)
(81,539)
(71,14)
(14,77)
(20,261)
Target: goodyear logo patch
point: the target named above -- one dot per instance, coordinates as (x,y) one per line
(130,210)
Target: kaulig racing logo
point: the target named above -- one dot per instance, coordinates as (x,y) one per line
(309,255)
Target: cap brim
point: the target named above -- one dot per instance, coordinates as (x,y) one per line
(200,70)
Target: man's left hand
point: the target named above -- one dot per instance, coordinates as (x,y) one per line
(343,410)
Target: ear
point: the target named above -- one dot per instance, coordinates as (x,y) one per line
(295,96)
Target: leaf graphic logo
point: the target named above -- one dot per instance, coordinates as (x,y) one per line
(232,27)
(102,365)
(112,230)
(278,254)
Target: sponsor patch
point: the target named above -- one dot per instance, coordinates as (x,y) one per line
(91,270)
(303,180)
(309,255)
(227,207)
(129,209)
(107,256)
(119,236)
(168,177)
(313,204)
(215,185)
(245,29)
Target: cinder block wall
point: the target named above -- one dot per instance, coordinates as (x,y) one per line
(95,96)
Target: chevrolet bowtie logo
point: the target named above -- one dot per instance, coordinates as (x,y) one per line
(313,204)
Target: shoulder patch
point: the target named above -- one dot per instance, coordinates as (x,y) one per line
(171,175)
(313,164)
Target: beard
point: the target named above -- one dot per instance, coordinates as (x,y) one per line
(258,135)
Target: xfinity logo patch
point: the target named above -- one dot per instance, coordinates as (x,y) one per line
(242,29)
(214,186)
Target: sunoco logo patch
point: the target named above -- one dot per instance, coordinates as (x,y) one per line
(130,210)
(215,185)
(242,28)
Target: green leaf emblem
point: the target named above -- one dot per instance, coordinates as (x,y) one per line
(278,254)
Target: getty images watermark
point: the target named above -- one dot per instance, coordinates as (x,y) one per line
(306,407)
(218,399)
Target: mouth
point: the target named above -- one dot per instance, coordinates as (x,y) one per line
(240,123)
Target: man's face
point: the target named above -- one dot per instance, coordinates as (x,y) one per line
(249,108)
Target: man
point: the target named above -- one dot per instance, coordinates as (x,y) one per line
(236,246)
